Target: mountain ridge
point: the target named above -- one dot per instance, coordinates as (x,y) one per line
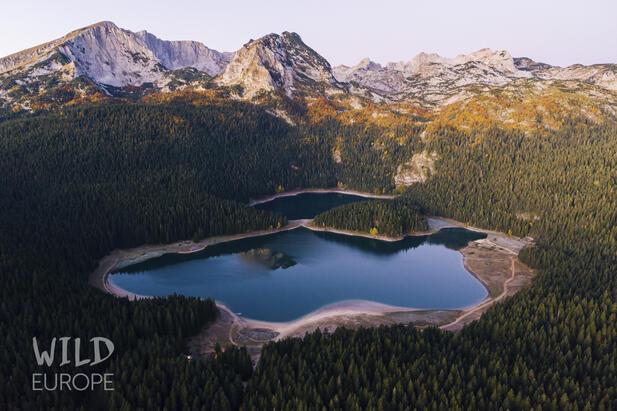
(274,63)
(103,59)
(113,56)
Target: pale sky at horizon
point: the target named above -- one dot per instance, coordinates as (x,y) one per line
(556,32)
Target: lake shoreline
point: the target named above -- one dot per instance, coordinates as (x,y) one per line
(334,190)
(342,313)
(379,237)
(121,258)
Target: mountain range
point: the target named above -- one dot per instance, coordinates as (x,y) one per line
(103,61)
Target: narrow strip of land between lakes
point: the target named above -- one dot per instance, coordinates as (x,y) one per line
(321,191)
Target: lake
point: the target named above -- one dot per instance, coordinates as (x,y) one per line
(283,276)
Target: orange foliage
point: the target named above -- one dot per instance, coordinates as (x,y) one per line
(203,97)
(390,116)
(535,110)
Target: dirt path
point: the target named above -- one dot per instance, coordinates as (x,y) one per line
(483,306)
(234,322)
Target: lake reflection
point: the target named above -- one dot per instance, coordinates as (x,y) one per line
(422,272)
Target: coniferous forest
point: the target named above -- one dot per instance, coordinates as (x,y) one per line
(393,218)
(553,346)
(81,182)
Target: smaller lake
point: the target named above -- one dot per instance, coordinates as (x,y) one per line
(308,205)
(322,268)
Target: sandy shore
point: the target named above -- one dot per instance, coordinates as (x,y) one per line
(345,308)
(321,191)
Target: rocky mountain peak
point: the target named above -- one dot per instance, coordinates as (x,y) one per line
(276,63)
(175,55)
(106,25)
(433,77)
(420,60)
(112,56)
(34,53)
(367,64)
(345,73)
(500,60)
(527,64)
(102,58)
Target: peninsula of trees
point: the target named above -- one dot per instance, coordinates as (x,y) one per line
(392,218)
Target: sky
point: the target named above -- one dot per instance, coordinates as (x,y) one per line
(558,32)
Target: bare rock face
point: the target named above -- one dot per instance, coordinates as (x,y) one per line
(432,77)
(386,81)
(416,170)
(344,73)
(113,56)
(277,63)
(105,58)
(500,61)
(436,80)
(603,75)
(175,55)
(527,64)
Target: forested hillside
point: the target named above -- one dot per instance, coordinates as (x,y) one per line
(76,184)
(550,347)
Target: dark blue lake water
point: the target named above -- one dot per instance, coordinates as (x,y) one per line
(308,205)
(322,268)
